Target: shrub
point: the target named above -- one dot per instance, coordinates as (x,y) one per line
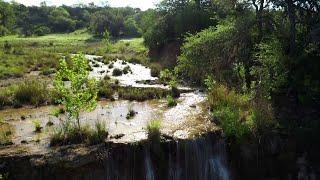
(117,72)
(155,70)
(171,101)
(237,114)
(166,76)
(126,70)
(105,89)
(153,129)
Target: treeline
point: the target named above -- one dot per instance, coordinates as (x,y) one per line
(267,49)
(33,20)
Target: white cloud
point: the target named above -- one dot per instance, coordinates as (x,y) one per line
(142,4)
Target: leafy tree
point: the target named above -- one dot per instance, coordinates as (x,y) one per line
(81,93)
(7,18)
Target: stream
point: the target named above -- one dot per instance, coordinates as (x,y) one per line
(193,155)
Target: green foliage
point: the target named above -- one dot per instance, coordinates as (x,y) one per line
(117,72)
(81,93)
(37,126)
(6,132)
(141,94)
(57,112)
(238,114)
(171,101)
(73,135)
(131,112)
(208,52)
(126,70)
(153,129)
(167,76)
(30,92)
(270,72)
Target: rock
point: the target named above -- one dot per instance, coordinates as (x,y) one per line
(24,142)
(118,136)
(23,117)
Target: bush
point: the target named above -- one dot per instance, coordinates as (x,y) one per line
(116,72)
(153,129)
(105,89)
(155,70)
(126,70)
(171,101)
(238,114)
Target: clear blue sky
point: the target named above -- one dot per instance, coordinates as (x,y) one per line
(142,4)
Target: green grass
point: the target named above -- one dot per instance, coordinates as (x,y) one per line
(6,132)
(73,135)
(28,92)
(20,55)
(153,129)
(171,102)
(238,114)
(141,94)
(37,125)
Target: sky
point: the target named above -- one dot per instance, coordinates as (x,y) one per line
(142,4)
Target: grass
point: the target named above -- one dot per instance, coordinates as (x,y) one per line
(153,129)
(237,114)
(19,55)
(141,94)
(37,126)
(72,135)
(171,102)
(131,113)
(28,92)
(6,132)
(57,112)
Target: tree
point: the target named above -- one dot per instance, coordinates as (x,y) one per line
(60,20)
(81,93)
(7,17)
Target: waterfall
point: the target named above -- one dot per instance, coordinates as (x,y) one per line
(199,159)
(149,168)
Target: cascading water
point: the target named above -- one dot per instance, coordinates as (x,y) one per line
(200,159)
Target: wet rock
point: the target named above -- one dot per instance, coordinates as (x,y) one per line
(24,142)
(23,117)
